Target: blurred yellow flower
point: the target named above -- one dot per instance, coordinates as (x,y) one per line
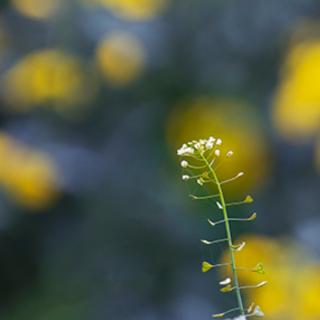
(46,76)
(236,124)
(133,9)
(27,175)
(293,287)
(296,109)
(38,9)
(121,57)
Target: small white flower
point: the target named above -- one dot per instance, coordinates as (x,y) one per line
(185,150)
(182,149)
(185,177)
(209,145)
(184,164)
(225,282)
(200,182)
(229,154)
(219,142)
(217,152)
(258,312)
(190,150)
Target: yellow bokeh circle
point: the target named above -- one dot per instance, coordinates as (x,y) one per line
(37,9)
(293,278)
(296,105)
(121,58)
(28,176)
(136,10)
(237,125)
(47,76)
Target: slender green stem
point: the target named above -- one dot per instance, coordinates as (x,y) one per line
(228,232)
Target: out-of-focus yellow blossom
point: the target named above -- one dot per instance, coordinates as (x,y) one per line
(293,279)
(45,77)
(296,110)
(238,127)
(28,176)
(133,9)
(121,57)
(37,9)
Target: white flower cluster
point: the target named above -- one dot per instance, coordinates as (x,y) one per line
(201,145)
(257,312)
(196,149)
(185,150)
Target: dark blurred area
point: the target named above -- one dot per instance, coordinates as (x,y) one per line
(95,98)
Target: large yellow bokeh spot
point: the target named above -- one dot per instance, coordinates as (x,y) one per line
(121,58)
(28,176)
(45,77)
(137,10)
(293,278)
(237,125)
(37,9)
(296,105)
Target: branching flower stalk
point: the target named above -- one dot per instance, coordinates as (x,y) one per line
(229,237)
(201,159)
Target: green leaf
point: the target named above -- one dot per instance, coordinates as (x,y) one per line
(248,199)
(259,268)
(252,217)
(218,315)
(227,288)
(205,175)
(251,307)
(206,266)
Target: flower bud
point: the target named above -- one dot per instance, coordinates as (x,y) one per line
(200,182)
(184,164)
(225,282)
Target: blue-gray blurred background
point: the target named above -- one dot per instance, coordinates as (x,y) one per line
(95,98)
